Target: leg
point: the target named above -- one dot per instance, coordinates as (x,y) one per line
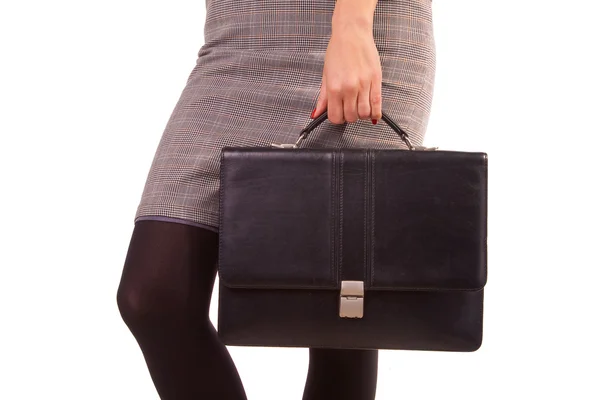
(164,297)
(341,374)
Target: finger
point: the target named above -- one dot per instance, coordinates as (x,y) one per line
(335,110)
(349,102)
(375,97)
(363,105)
(321,105)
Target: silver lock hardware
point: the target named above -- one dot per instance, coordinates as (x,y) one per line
(352,297)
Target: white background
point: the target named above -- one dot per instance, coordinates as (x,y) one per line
(85,92)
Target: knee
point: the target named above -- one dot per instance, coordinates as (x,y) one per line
(148,305)
(167,275)
(133,305)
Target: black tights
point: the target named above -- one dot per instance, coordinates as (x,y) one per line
(164,297)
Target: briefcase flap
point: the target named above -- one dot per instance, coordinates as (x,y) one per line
(392,219)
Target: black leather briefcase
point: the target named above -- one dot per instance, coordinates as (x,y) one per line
(352,248)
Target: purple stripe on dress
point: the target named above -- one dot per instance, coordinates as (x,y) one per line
(177,220)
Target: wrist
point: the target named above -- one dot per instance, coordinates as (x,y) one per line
(345,16)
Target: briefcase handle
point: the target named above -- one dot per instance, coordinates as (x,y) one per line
(315,122)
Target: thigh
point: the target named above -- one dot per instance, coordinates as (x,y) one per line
(169,267)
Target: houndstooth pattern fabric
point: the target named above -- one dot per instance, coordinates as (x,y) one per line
(256,81)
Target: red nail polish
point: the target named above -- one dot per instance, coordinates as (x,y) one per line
(374,121)
(312,115)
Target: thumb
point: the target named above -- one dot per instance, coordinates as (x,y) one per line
(321,101)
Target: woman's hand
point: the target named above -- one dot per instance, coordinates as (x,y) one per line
(351,83)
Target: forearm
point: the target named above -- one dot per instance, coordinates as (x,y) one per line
(354,14)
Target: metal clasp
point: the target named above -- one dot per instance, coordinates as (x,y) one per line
(291,145)
(424,148)
(284,145)
(352,299)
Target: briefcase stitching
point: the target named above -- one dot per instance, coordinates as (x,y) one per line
(372,237)
(366,158)
(332,222)
(341,216)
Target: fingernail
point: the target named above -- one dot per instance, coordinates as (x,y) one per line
(374,121)
(312,115)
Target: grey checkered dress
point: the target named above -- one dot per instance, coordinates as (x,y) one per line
(256,82)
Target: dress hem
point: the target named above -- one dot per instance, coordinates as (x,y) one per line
(177,220)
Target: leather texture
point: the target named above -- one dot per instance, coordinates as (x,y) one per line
(295,223)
